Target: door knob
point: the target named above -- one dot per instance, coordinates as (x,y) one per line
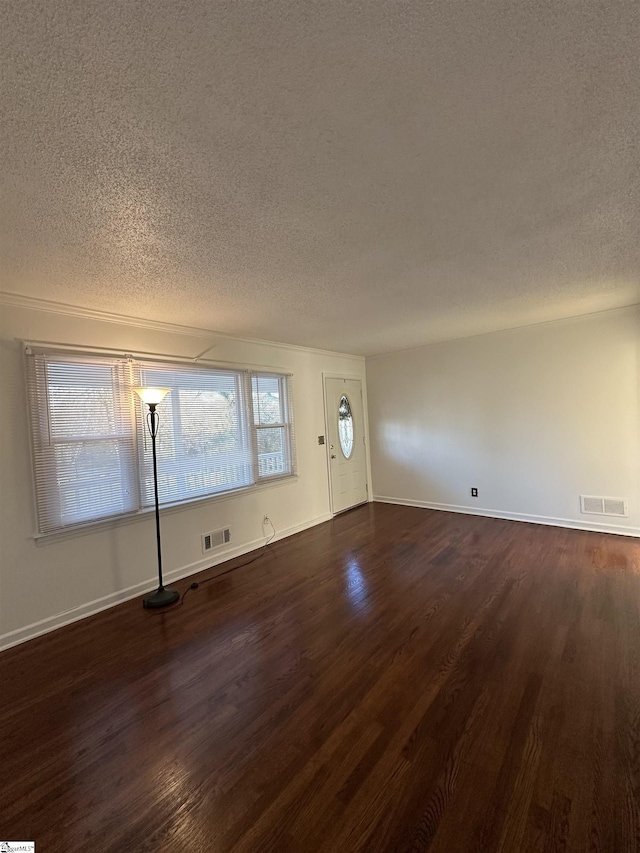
(333,455)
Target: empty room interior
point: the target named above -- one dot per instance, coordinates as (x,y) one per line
(320,426)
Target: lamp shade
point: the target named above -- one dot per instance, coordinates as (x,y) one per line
(151,395)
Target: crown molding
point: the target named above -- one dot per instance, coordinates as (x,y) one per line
(574,318)
(33,303)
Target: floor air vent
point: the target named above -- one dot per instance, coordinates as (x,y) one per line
(215,539)
(603,506)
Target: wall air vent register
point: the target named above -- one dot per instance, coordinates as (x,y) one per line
(591,505)
(215,539)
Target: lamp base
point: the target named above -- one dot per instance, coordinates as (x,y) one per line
(160,597)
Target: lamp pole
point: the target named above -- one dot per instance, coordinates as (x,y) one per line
(162,596)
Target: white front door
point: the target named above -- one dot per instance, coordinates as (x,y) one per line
(344,412)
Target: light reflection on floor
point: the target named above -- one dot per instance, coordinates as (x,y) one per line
(356,586)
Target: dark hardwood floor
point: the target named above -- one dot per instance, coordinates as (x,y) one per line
(394,680)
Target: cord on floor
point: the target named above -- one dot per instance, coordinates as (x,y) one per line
(198,584)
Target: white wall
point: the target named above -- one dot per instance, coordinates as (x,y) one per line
(533,417)
(46,583)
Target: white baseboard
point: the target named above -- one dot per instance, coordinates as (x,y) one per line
(36,629)
(574,524)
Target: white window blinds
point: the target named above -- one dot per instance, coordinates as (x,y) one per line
(83,441)
(273,424)
(219,430)
(203,445)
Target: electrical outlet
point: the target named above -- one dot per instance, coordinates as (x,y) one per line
(474,492)
(266,519)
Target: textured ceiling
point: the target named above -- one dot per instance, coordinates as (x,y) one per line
(359,176)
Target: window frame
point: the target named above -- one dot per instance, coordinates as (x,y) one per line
(179,466)
(286,425)
(39,411)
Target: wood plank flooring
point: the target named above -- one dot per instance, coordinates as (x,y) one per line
(396,679)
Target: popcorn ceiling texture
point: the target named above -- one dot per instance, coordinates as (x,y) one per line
(357,176)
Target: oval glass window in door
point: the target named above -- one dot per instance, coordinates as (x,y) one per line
(345,427)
